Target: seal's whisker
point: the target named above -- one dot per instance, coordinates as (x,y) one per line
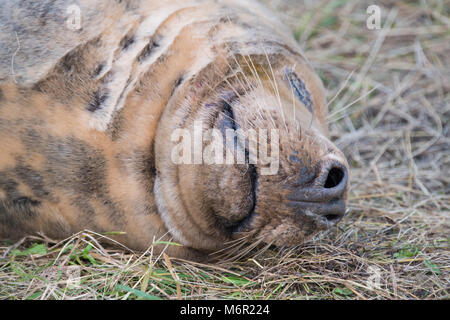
(256,98)
(276,88)
(244,237)
(351,103)
(293,99)
(249,248)
(233,255)
(243,73)
(233,252)
(263,249)
(226,79)
(228,254)
(234,245)
(256,75)
(341,88)
(253,95)
(223,76)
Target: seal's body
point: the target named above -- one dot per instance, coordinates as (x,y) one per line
(88,112)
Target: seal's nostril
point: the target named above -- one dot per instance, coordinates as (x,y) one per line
(329,185)
(334,178)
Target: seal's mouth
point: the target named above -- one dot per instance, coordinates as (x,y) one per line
(328,209)
(325,215)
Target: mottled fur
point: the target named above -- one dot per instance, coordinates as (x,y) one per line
(86,118)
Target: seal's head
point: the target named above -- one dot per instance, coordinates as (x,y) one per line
(279,179)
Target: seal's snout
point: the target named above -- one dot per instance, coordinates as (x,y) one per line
(325,197)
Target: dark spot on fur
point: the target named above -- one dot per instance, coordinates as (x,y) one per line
(25,206)
(114,127)
(14,218)
(98,70)
(97,101)
(32,139)
(74,62)
(147,51)
(72,75)
(126,42)
(306,176)
(33,180)
(87,212)
(17,211)
(229,121)
(18,218)
(9,186)
(293,158)
(69,61)
(177,83)
(144,164)
(76,166)
(80,169)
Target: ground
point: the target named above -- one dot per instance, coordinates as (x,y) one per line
(388,91)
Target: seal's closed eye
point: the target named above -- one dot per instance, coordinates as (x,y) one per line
(299,88)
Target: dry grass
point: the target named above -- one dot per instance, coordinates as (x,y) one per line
(390,116)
